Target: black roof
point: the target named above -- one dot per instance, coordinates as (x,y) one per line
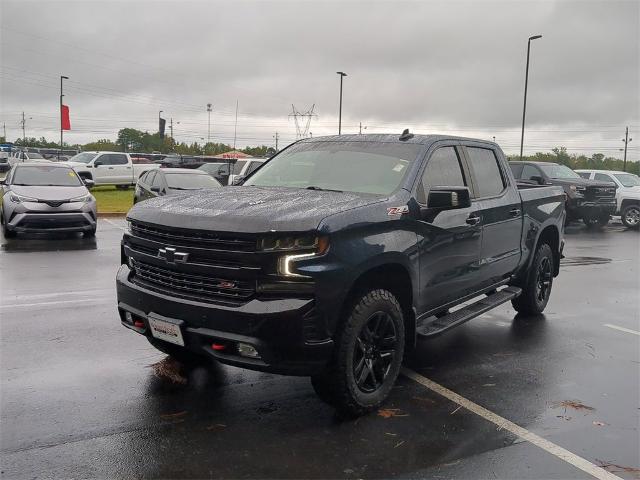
(533,163)
(393,138)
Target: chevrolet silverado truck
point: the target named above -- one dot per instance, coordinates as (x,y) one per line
(336,256)
(592,201)
(108,168)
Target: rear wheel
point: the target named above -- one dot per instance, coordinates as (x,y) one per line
(631,216)
(367,357)
(537,289)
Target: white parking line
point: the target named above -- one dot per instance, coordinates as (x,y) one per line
(30,296)
(504,424)
(57,302)
(622,329)
(114,224)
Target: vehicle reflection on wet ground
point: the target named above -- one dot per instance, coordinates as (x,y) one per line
(79,397)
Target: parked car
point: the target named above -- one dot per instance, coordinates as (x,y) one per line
(592,201)
(336,255)
(627,193)
(218,170)
(160,182)
(21,156)
(244,168)
(179,161)
(108,168)
(39,197)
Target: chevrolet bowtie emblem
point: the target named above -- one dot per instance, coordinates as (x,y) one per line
(171,256)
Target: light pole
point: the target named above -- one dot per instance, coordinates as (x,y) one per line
(626,141)
(62,77)
(209,127)
(526,81)
(342,75)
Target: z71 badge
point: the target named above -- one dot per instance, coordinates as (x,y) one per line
(393,211)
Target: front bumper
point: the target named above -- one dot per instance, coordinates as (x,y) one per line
(34,217)
(275,328)
(582,208)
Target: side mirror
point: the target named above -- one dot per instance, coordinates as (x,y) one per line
(97,163)
(538,179)
(155,189)
(88,182)
(449,198)
(238,180)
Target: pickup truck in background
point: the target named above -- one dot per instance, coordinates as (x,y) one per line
(627,193)
(589,200)
(337,256)
(108,168)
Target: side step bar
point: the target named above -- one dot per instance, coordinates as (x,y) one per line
(467,313)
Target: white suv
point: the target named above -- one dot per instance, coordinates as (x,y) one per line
(627,193)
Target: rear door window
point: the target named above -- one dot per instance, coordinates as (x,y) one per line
(486,171)
(529,171)
(584,174)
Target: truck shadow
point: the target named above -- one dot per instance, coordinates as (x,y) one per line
(48,242)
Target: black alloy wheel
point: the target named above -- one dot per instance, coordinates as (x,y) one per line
(374,352)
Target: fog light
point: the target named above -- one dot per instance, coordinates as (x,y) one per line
(246,350)
(218,346)
(138,324)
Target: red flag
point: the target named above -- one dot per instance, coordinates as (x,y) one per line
(64,117)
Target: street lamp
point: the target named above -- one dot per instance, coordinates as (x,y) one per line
(342,75)
(62,77)
(209,126)
(526,81)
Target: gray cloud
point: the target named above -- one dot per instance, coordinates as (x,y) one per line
(434,66)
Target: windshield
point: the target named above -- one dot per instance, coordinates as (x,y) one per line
(191,181)
(45,175)
(558,171)
(85,157)
(33,155)
(364,167)
(628,179)
(211,167)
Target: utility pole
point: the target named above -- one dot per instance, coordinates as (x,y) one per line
(360,131)
(235,128)
(276,137)
(526,81)
(209,126)
(171,127)
(62,77)
(342,75)
(24,137)
(626,141)
(4,129)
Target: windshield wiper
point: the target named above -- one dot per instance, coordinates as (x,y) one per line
(313,187)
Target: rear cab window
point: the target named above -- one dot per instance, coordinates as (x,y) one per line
(489,179)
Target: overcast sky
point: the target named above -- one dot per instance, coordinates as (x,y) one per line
(452,66)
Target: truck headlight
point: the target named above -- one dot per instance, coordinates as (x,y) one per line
(290,243)
(15,198)
(299,250)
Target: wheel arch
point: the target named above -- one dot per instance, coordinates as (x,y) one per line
(551,236)
(393,277)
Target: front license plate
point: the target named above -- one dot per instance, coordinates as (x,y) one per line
(169,332)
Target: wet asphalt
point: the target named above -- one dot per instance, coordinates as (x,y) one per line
(79,397)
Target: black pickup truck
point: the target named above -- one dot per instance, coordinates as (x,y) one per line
(335,256)
(593,201)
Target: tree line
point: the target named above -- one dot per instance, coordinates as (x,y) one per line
(132,140)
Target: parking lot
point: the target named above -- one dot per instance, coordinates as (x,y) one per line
(80,397)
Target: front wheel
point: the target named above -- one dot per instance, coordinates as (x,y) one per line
(367,357)
(631,216)
(537,289)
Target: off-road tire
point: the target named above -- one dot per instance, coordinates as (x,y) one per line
(529,302)
(337,385)
(630,216)
(179,353)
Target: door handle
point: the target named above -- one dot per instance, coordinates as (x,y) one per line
(473,219)
(110,168)
(514,212)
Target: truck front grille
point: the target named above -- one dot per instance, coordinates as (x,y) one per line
(601,193)
(198,287)
(194,238)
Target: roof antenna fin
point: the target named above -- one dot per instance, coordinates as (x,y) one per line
(405,135)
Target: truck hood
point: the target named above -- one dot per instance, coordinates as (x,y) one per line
(248,209)
(582,182)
